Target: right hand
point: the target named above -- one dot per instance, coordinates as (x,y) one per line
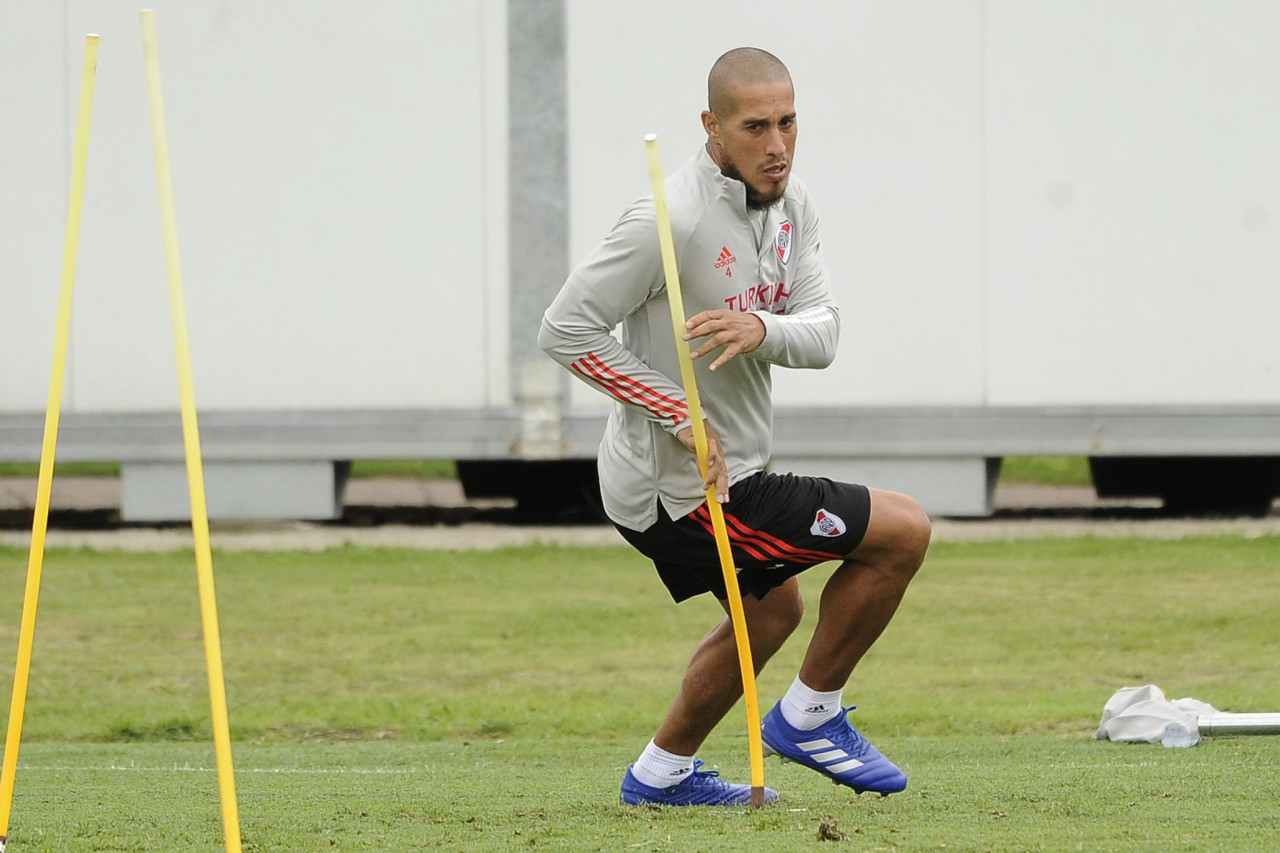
(717,470)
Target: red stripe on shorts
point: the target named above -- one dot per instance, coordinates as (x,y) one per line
(754,542)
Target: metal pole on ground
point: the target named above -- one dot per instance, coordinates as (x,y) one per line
(1211,725)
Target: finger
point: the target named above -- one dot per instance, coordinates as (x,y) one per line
(722,486)
(732,349)
(701,331)
(732,343)
(705,323)
(717,473)
(711,473)
(707,347)
(730,352)
(717,482)
(713,467)
(698,319)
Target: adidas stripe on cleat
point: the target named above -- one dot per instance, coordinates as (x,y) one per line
(699,788)
(836,750)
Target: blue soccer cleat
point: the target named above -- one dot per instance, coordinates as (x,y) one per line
(699,788)
(834,749)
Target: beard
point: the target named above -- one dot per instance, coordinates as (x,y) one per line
(756,200)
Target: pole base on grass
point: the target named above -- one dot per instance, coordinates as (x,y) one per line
(757,802)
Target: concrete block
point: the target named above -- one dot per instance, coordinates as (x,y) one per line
(159,491)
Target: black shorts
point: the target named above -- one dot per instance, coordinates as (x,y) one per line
(778,524)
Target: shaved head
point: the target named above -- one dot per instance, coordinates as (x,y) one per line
(741,66)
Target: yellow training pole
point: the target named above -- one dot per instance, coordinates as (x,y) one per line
(700,441)
(191,441)
(53,410)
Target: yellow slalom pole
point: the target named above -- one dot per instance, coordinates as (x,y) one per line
(700,442)
(191,441)
(40,523)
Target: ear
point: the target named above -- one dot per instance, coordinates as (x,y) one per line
(711,124)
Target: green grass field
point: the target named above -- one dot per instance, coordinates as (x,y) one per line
(419,700)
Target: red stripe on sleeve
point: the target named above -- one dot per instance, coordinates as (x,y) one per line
(658,397)
(628,390)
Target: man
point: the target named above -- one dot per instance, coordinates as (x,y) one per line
(753,279)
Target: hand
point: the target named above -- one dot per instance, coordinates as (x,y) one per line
(717,469)
(736,332)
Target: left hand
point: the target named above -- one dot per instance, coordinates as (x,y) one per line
(738,333)
(717,476)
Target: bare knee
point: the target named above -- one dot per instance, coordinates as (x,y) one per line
(898,533)
(770,620)
(916,533)
(786,608)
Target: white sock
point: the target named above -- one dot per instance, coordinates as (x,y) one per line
(658,768)
(805,708)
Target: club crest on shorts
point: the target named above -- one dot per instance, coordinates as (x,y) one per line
(827,523)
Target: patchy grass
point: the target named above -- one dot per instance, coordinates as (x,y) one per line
(402,700)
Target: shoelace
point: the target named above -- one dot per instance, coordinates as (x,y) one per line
(699,773)
(858,740)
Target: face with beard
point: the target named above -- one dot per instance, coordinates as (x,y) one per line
(753,139)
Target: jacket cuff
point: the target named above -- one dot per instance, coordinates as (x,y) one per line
(771,347)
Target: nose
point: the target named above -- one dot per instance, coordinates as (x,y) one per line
(775,142)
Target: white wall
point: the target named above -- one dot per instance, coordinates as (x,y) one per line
(1050,203)
(1133,202)
(1057,203)
(34,152)
(341,245)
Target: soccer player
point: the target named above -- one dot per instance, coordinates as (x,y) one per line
(753,279)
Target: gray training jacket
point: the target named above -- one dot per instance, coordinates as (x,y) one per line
(768,263)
